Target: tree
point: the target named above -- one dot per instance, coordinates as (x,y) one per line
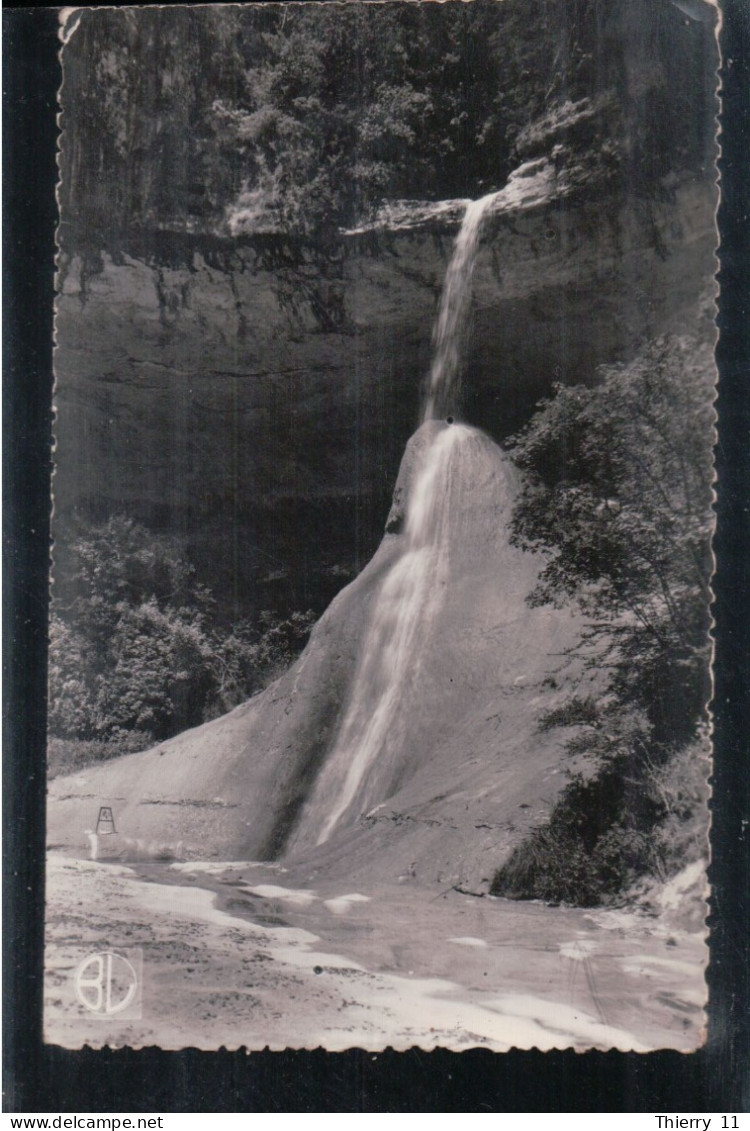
(171,116)
(129,646)
(618,498)
(135,648)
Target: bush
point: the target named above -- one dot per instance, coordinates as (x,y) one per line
(682,787)
(554,863)
(618,499)
(251,657)
(135,650)
(634,818)
(160,673)
(551,865)
(66,755)
(576,712)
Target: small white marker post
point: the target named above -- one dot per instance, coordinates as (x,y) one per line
(105,824)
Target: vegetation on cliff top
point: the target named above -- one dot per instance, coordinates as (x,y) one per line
(306,117)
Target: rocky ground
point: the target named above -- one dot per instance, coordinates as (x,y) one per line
(241,955)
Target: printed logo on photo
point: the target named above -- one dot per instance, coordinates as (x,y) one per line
(108,983)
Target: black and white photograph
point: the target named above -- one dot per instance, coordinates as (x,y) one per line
(380,651)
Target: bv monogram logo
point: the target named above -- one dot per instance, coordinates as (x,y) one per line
(106,983)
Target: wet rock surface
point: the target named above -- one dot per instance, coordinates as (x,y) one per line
(403,966)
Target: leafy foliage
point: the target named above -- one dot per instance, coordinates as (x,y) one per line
(310,115)
(599,834)
(573,713)
(318,111)
(135,649)
(633,818)
(618,498)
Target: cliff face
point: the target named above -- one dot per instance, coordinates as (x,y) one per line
(405,736)
(258,401)
(253,387)
(234,366)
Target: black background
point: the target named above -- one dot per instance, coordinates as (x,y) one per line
(47,1078)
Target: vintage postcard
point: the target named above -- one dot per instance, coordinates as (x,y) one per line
(380,656)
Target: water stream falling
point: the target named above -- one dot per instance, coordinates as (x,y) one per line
(449,336)
(362,766)
(388,670)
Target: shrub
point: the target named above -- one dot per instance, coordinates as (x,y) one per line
(682,787)
(66,755)
(159,676)
(135,650)
(634,818)
(618,499)
(576,712)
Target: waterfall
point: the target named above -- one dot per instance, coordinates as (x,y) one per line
(449,335)
(362,767)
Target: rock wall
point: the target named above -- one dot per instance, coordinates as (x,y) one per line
(258,401)
(458,771)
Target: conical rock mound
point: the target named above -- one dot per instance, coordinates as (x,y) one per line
(406,736)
